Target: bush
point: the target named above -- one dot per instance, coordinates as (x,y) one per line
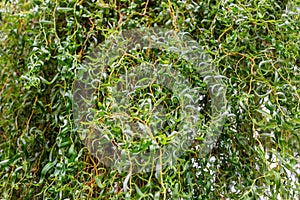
(253,44)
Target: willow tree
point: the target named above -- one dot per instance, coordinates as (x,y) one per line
(254,45)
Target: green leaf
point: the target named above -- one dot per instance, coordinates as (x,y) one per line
(99,184)
(46,168)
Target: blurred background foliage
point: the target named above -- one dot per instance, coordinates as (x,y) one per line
(254,44)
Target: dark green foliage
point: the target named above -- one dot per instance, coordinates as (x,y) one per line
(254,44)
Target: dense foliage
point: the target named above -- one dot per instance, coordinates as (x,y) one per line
(254,44)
